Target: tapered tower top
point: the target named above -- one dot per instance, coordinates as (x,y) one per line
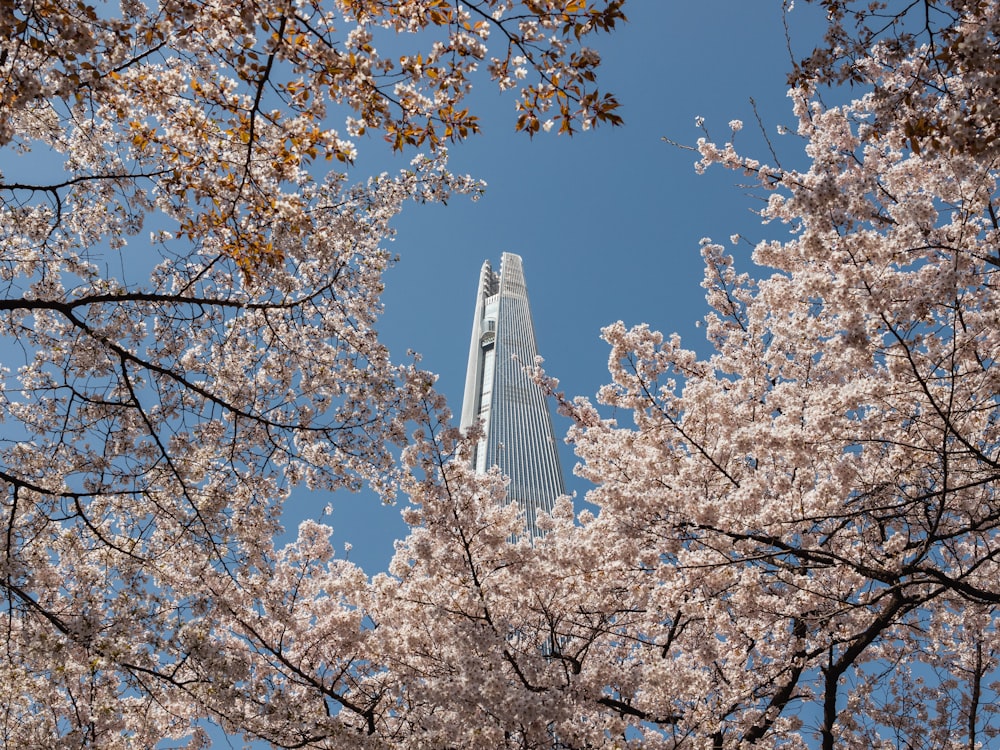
(518,433)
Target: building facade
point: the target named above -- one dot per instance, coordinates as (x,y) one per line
(518,433)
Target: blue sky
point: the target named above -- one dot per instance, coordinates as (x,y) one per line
(608,222)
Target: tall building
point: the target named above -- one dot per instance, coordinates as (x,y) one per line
(518,434)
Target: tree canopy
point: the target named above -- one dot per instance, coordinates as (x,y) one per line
(794,540)
(796,537)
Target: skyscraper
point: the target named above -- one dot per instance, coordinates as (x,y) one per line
(518,434)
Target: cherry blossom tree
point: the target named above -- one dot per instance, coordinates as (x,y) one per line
(793,540)
(188,311)
(796,538)
(935,33)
